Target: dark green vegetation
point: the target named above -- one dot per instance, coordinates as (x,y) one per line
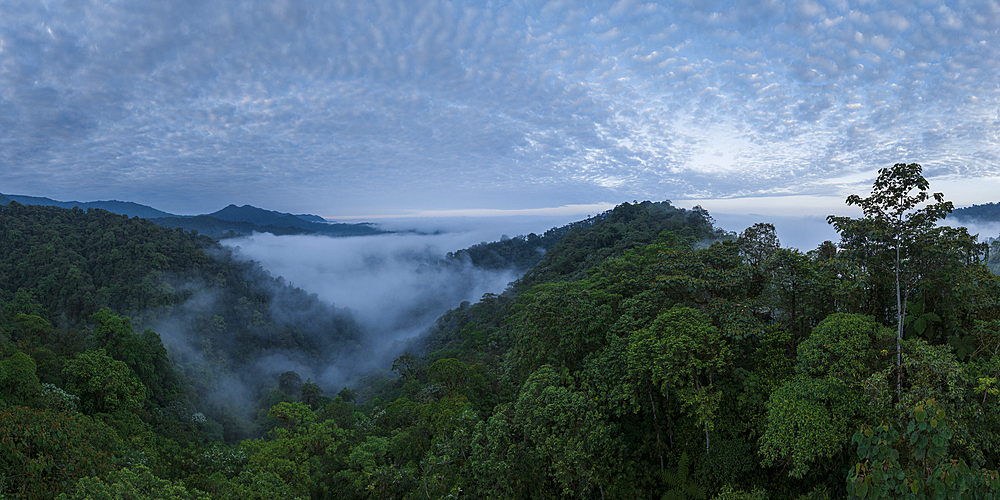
(634,360)
(994,260)
(582,245)
(229,222)
(233,220)
(987,212)
(114,206)
(73,284)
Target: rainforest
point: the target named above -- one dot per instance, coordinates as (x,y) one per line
(640,353)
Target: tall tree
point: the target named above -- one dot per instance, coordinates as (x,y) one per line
(896,235)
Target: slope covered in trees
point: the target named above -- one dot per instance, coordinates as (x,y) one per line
(114,206)
(665,367)
(987,212)
(229,222)
(583,244)
(73,282)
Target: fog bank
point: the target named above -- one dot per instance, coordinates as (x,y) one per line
(394,284)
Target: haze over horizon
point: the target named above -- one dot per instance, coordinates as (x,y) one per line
(438,108)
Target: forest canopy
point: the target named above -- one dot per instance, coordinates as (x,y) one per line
(644,353)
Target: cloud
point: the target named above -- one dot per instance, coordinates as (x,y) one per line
(335,106)
(392,283)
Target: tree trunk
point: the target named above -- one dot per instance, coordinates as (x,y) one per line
(656,426)
(900,311)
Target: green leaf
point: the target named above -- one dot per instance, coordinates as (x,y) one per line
(861,489)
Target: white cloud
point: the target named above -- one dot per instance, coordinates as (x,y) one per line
(337,106)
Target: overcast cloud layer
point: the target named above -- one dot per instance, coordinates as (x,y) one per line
(348,107)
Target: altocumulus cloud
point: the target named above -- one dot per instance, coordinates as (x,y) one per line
(334,106)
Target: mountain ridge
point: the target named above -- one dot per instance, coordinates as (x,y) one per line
(230,221)
(987,212)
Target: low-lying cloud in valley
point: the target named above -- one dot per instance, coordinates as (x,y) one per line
(395,284)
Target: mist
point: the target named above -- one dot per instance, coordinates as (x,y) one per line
(985,230)
(396,285)
(332,310)
(802,232)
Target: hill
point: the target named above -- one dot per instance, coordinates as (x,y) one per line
(254,215)
(282,223)
(218,228)
(228,222)
(646,354)
(114,206)
(988,212)
(67,272)
(564,253)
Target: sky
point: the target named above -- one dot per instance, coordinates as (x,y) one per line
(363,109)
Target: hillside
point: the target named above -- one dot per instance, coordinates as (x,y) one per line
(592,240)
(645,355)
(269,220)
(988,212)
(61,269)
(218,228)
(114,206)
(228,222)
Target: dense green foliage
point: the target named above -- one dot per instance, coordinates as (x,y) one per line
(587,242)
(994,258)
(987,212)
(114,206)
(73,283)
(646,354)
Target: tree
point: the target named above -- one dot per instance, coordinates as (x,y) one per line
(112,330)
(894,234)
(801,290)
(758,243)
(682,354)
(300,452)
(105,385)
(18,382)
(311,394)
(915,461)
(547,443)
(289,383)
(994,259)
(406,366)
(137,483)
(810,416)
(42,451)
(450,373)
(144,354)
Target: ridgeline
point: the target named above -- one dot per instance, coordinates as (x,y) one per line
(644,353)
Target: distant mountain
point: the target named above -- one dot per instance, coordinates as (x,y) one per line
(114,206)
(989,212)
(266,220)
(311,218)
(129,208)
(218,228)
(254,215)
(229,222)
